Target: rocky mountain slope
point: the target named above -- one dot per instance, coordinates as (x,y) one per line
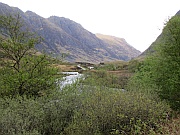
(119,46)
(62,35)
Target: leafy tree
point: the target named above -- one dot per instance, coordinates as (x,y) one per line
(23,70)
(166,66)
(160,72)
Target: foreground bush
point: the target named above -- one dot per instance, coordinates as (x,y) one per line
(29,116)
(82,110)
(20,116)
(105,111)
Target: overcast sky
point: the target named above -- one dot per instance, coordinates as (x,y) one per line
(138,21)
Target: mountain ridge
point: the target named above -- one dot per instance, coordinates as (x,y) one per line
(62,35)
(117,43)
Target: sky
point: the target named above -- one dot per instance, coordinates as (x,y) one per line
(139,22)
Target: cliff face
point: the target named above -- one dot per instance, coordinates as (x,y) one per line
(62,35)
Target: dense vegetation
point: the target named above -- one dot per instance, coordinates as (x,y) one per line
(161,71)
(31,102)
(22,71)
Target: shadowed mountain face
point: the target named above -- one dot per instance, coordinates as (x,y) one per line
(62,35)
(178,13)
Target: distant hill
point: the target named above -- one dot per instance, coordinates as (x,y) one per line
(122,49)
(159,39)
(62,35)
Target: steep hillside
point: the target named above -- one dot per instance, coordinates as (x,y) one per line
(178,13)
(159,40)
(62,35)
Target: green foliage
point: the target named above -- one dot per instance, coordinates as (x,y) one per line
(33,78)
(160,72)
(143,79)
(82,109)
(105,111)
(93,107)
(114,75)
(20,116)
(15,42)
(113,66)
(102,77)
(59,110)
(167,63)
(47,115)
(23,71)
(134,65)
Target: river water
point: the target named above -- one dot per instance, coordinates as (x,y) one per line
(71,78)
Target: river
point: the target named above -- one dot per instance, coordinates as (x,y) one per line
(71,78)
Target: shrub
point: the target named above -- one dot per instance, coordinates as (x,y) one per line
(20,116)
(103,78)
(104,111)
(160,72)
(47,115)
(82,109)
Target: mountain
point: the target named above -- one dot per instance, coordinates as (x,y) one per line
(64,36)
(119,46)
(178,13)
(151,48)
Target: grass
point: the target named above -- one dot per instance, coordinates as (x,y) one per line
(65,68)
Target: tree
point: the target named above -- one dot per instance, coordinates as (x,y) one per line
(166,67)
(160,72)
(23,70)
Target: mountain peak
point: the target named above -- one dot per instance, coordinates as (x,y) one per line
(32,14)
(59,18)
(62,21)
(7,10)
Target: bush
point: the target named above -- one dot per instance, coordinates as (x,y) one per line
(20,116)
(82,109)
(104,111)
(37,116)
(103,78)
